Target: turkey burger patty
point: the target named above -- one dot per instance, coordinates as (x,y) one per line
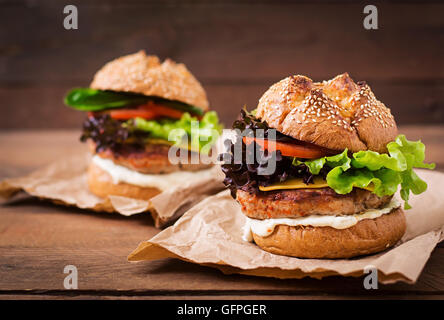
(303,202)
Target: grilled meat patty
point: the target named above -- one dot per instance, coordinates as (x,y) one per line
(152,160)
(303,202)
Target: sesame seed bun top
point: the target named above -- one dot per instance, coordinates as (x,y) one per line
(334,114)
(146,75)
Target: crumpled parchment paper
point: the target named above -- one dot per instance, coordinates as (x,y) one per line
(65,182)
(210,234)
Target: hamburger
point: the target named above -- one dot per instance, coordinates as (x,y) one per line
(338,162)
(137,109)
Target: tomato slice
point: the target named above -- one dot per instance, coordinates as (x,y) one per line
(148,111)
(288,149)
(125,114)
(162,111)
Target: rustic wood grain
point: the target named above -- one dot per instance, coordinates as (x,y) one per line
(236,49)
(37,239)
(409,103)
(225,40)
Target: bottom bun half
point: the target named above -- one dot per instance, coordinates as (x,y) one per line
(366,237)
(101,184)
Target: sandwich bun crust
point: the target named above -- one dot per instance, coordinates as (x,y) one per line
(139,73)
(101,184)
(334,114)
(366,237)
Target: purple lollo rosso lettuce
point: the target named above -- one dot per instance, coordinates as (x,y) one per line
(248,176)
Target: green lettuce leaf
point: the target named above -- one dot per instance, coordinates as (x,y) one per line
(198,135)
(413,154)
(381,172)
(383,181)
(374,161)
(87,99)
(340,160)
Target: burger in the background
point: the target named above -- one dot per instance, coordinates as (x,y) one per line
(137,109)
(338,163)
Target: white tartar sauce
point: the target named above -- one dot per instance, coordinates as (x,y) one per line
(160,181)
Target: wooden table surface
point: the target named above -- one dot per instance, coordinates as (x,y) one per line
(38,239)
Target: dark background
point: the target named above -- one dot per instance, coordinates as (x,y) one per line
(236,49)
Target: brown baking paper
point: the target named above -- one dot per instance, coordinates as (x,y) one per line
(65,182)
(211,234)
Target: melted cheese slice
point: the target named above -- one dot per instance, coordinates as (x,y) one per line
(298,183)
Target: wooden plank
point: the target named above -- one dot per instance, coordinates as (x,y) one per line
(37,239)
(236,50)
(225,41)
(29,150)
(409,103)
